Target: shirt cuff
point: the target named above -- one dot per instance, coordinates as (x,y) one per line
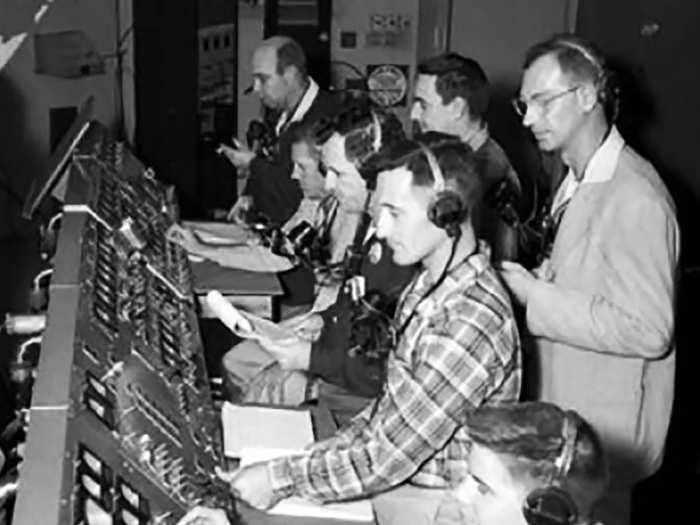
(281,473)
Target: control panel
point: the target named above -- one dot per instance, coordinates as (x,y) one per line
(122,428)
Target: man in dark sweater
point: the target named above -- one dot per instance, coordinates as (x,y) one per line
(284,87)
(450,95)
(281,82)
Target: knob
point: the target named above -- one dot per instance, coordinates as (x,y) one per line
(649,29)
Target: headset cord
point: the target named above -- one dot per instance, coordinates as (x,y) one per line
(404,326)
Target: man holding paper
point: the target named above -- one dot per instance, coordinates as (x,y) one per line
(321,359)
(457,348)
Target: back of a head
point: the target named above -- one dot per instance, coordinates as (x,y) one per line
(289,53)
(530,436)
(583,62)
(302,132)
(458,76)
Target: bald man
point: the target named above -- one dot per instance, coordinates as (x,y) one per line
(283,85)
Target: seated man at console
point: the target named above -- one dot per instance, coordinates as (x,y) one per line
(457,348)
(327,358)
(531,464)
(318,208)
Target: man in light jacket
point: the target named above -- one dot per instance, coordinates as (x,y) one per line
(600,308)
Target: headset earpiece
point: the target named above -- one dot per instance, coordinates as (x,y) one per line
(447,210)
(552,505)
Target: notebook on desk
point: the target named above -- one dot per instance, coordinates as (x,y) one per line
(209,275)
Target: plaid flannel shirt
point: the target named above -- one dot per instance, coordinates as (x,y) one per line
(459,351)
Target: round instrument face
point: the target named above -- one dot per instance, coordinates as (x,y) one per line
(387,85)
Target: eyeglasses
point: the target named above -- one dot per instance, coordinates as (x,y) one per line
(539,103)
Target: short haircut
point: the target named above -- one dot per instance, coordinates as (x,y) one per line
(456,160)
(582,61)
(290,53)
(302,132)
(529,435)
(458,76)
(356,121)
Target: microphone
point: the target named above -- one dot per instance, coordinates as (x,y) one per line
(228,314)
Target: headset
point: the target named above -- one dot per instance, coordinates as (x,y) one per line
(552,505)
(607,88)
(447,209)
(362,143)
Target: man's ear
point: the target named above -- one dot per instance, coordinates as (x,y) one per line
(587,96)
(459,106)
(289,74)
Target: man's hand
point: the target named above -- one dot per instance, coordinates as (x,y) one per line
(239,209)
(184,237)
(306,326)
(240,156)
(518,280)
(292,353)
(251,484)
(204,516)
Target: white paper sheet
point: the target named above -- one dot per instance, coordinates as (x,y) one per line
(219,233)
(256,427)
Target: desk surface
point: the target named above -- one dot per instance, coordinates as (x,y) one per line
(209,275)
(250,516)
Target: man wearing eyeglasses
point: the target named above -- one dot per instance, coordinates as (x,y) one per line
(451,94)
(600,308)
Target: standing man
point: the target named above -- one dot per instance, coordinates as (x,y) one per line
(457,348)
(283,85)
(450,95)
(601,307)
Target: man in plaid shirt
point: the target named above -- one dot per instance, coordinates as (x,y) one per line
(457,348)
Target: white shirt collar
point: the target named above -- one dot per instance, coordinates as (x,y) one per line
(602,165)
(371,230)
(302,108)
(600,168)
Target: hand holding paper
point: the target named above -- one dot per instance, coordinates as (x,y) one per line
(245,324)
(292,353)
(306,326)
(182,236)
(229,315)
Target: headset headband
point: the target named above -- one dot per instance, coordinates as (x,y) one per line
(377,142)
(585,53)
(439,184)
(563,462)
